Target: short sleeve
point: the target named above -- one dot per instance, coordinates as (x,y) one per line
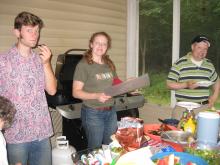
(81,73)
(214,76)
(174,73)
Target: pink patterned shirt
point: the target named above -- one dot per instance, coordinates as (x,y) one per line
(22,81)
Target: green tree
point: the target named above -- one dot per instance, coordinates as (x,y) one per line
(201,17)
(197,17)
(155,49)
(155,33)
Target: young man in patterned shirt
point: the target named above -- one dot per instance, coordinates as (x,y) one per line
(24,77)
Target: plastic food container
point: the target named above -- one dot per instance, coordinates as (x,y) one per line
(154,130)
(179,137)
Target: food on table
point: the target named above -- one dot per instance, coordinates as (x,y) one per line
(184,158)
(158,128)
(163,127)
(90,157)
(130,133)
(117,149)
(171,160)
(212,157)
(129,137)
(190,163)
(191,140)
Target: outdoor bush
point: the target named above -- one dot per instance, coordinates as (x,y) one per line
(157,92)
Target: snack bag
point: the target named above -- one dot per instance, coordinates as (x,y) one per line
(130,133)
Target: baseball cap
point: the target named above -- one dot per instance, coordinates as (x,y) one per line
(201,38)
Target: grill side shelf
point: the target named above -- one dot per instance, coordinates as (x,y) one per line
(73,111)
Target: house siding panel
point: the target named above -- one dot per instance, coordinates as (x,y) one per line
(70,23)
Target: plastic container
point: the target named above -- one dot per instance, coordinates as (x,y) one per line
(61,154)
(208,128)
(150,128)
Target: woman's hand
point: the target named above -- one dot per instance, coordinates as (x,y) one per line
(78,92)
(102,97)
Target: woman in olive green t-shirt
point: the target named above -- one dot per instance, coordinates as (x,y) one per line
(94,73)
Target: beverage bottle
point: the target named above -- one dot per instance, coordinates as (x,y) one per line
(190,114)
(182,120)
(187,121)
(190,126)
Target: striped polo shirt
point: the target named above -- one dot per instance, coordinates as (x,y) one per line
(184,70)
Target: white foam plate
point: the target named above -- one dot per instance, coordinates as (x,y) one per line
(205,83)
(188,105)
(136,157)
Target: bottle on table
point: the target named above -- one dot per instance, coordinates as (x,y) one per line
(183,120)
(190,126)
(187,121)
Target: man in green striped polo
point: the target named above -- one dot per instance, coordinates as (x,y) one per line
(194,78)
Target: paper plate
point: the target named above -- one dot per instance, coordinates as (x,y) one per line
(188,105)
(136,157)
(184,157)
(204,83)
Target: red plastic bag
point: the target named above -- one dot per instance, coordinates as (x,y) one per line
(130,133)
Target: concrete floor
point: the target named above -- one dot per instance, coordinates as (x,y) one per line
(151,112)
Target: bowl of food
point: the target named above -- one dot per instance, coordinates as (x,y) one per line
(177,158)
(154,130)
(212,157)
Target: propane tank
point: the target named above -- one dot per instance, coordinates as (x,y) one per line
(61,154)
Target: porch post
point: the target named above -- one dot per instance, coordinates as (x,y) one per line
(132,38)
(176,40)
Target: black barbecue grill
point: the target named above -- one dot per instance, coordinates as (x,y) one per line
(65,66)
(70,107)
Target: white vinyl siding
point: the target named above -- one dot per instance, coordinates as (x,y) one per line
(70,23)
